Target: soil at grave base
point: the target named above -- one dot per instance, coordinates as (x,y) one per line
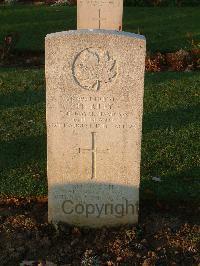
(163,237)
(181,60)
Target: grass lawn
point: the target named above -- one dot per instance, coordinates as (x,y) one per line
(166,29)
(170,135)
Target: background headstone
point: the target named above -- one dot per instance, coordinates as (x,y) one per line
(94,124)
(99,14)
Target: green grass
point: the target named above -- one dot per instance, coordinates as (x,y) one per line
(171,130)
(22,132)
(170,146)
(166,29)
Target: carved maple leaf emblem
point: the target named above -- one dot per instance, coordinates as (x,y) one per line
(93,68)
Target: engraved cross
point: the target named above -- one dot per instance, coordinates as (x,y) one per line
(94,151)
(100,19)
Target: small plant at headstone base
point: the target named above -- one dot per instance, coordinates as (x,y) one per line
(155,63)
(10,2)
(179,61)
(8,46)
(195,44)
(62,3)
(195,49)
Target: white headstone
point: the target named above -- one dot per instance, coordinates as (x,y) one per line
(100,14)
(95,82)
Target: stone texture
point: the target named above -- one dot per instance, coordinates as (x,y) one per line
(99,14)
(94,122)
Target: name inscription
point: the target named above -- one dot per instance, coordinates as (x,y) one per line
(91,113)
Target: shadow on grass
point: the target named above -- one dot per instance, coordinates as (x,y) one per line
(174,190)
(21,158)
(27,97)
(163,77)
(22,152)
(176,118)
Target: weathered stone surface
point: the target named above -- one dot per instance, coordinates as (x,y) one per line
(94,122)
(99,14)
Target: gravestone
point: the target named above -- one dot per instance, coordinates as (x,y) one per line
(99,14)
(94,123)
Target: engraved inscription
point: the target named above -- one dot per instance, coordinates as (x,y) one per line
(91,112)
(97,3)
(94,151)
(93,68)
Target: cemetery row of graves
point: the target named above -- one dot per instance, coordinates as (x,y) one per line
(22,42)
(168,232)
(138,3)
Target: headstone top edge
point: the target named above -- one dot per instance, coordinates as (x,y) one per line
(95,31)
